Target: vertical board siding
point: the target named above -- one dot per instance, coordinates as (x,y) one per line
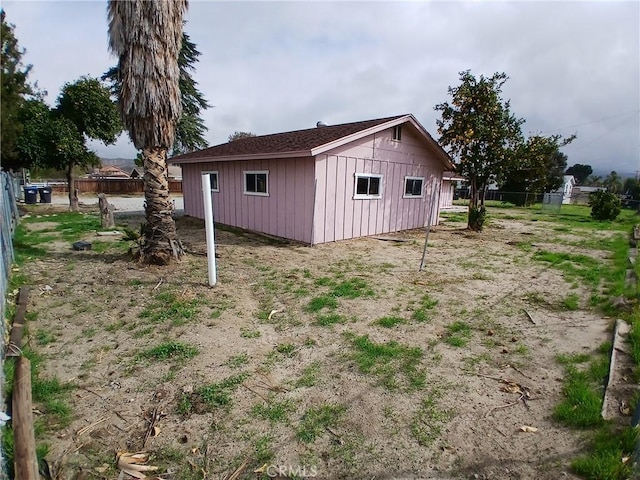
(311,199)
(338,216)
(286,212)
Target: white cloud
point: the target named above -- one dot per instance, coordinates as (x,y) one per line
(270,67)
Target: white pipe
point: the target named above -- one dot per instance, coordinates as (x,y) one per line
(208,223)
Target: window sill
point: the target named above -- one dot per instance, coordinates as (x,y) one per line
(366,197)
(256,194)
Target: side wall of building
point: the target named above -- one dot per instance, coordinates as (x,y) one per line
(287,210)
(338,215)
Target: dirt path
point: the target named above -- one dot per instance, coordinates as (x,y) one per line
(392,373)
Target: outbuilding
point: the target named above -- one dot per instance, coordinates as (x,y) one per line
(322,184)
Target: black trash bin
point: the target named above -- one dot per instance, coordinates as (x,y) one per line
(30,194)
(45,194)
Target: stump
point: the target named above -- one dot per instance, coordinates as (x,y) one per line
(106,212)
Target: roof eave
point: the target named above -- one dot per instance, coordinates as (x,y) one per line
(252,156)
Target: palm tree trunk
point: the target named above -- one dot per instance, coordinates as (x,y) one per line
(161,242)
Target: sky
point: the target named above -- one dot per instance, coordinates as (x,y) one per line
(268,67)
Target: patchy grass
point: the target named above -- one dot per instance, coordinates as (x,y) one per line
(316,420)
(331,319)
(169,351)
(428,420)
(218,395)
(422,313)
(273,410)
(390,321)
(321,302)
(582,402)
(388,361)
(167,306)
(571,302)
(309,377)
(458,334)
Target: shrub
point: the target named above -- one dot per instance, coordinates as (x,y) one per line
(604,205)
(477,217)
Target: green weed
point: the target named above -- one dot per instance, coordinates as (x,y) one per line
(218,395)
(273,410)
(169,351)
(168,307)
(323,301)
(316,420)
(309,375)
(390,321)
(427,422)
(386,360)
(331,319)
(458,334)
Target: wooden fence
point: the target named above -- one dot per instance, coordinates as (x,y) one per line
(111,186)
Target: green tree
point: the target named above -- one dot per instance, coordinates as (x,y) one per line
(580,172)
(613,182)
(190,130)
(87,104)
(49,140)
(539,168)
(147,38)
(631,188)
(13,91)
(238,135)
(56,138)
(481,134)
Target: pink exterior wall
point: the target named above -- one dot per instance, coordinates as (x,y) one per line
(446,196)
(338,216)
(286,212)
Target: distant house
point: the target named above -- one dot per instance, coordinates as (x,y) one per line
(567,188)
(580,194)
(449,184)
(321,184)
(136,172)
(110,171)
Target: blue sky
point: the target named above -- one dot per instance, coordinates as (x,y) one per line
(268,67)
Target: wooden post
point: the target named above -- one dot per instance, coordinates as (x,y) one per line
(106,212)
(24,440)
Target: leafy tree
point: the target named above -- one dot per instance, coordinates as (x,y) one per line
(613,182)
(540,168)
(580,172)
(49,140)
(481,134)
(238,135)
(55,138)
(631,188)
(87,104)
(13,90)
(190,130)
(604,205)
(147,38)
(593,181)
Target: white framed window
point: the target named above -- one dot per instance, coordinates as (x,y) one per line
(213,179)
(397,133)
(413,187)
(367,185)
(256,183)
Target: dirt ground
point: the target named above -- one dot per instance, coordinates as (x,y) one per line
(101,312)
